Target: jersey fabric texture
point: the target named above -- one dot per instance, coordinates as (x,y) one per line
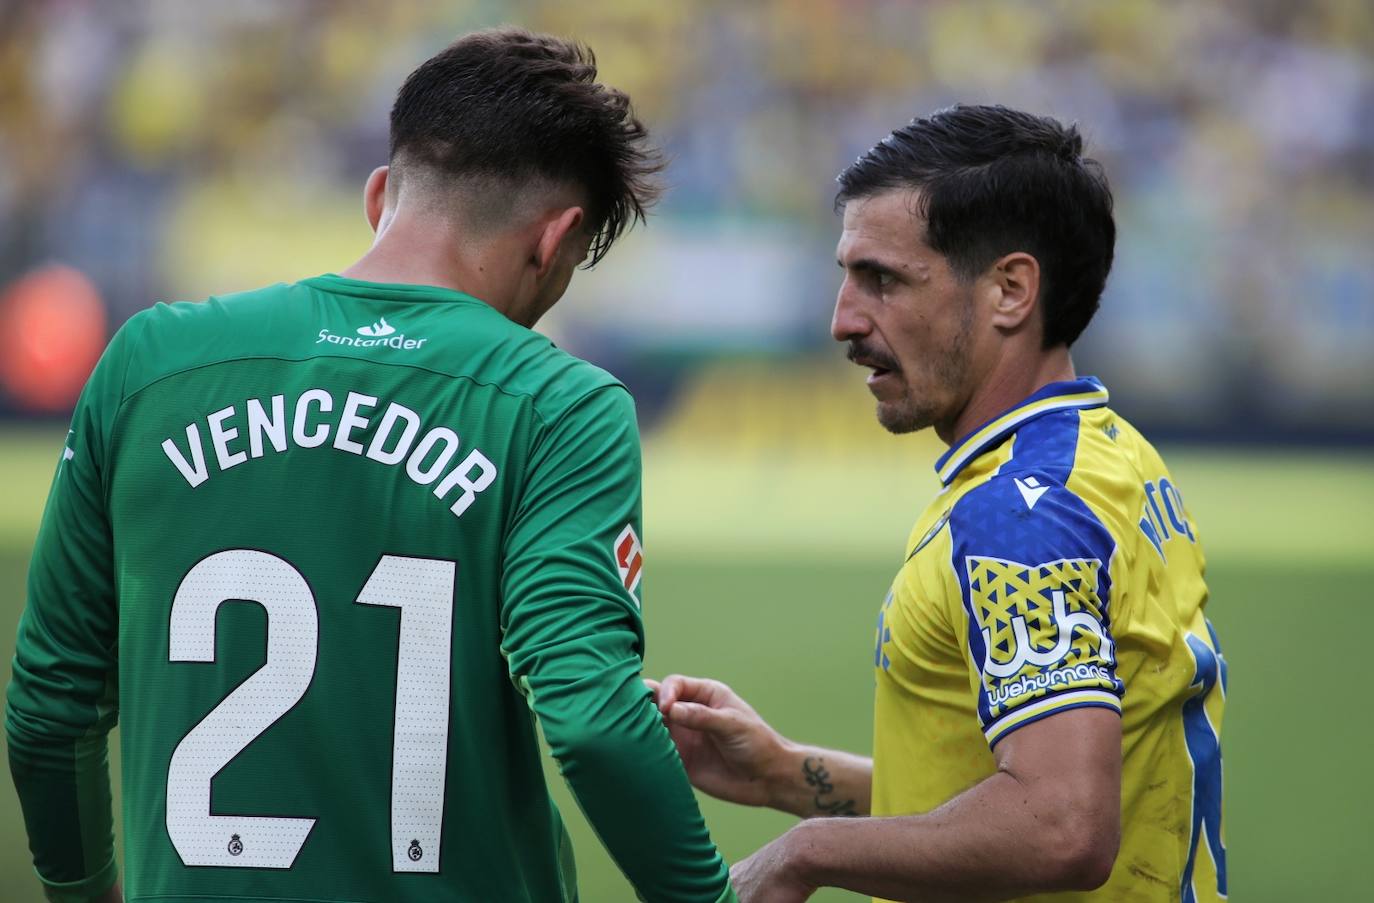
(327,551)
(1058,569)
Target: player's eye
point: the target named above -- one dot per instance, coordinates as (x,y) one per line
(884,279)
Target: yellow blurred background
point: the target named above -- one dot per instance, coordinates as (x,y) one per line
(171,150)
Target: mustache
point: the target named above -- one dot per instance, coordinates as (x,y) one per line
(860,353)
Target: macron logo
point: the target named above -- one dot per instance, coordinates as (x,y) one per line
(380,328)
(1031,490)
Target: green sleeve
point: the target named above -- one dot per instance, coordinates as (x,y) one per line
(62,698)
(573,639)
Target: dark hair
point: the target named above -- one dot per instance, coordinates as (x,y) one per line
(512,106)
(992,181)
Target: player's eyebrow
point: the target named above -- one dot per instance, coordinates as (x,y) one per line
(868,265)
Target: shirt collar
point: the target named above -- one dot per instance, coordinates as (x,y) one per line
(1087,392)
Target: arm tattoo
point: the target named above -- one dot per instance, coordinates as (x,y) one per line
(818,776)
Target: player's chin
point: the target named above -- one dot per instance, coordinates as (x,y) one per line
(897,416)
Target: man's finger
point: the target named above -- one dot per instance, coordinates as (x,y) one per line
(655,694)
(696,689)
(704,718)
(680,686)
(667,694)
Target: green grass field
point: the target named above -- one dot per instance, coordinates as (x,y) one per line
(767,573)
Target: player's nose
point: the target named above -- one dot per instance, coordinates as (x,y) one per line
(849,320)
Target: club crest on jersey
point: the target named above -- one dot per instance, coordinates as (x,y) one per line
(629,558)
(880,657)
(931,533)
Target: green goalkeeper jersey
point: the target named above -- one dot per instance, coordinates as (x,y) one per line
(327,551)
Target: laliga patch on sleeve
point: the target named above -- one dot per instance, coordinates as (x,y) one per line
(629,558)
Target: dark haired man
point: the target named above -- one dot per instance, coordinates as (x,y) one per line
(1049,694)
(329,549)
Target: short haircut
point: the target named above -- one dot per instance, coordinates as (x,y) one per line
(991,181)
(509,108)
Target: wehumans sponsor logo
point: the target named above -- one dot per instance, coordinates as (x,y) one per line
(1060,678)
(1023,652)
(378,335)
(1036,617)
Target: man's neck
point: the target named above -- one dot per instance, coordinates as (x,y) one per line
(425,253)
(1007,385)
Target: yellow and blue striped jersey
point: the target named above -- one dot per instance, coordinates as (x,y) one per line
(1058,568)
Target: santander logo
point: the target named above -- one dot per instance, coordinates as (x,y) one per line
(380,328)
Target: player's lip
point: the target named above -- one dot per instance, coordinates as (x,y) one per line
(879,371)
(877,376)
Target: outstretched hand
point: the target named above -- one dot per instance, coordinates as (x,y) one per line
(729,751)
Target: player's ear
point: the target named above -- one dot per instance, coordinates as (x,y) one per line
(560,234)
(1015,287)
(374,196)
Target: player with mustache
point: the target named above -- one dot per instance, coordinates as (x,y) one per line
(1049,694)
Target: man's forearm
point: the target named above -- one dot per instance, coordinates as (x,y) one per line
(627,777)
(64,790)
(993,842)
(809,781)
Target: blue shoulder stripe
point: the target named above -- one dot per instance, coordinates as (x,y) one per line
(1024,529)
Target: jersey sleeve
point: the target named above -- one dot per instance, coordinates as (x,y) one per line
(62,699)
(1032,565)
(573,640)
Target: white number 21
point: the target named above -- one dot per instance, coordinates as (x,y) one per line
(422,588)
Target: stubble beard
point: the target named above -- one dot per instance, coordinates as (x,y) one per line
(915,410)
(905,415)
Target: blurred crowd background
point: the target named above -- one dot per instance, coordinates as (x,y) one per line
(161,149)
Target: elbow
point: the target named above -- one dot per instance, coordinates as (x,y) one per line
(581,743)
(574,742)
(1084,854)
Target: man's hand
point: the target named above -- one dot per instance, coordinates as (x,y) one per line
(768,876)
(730,752)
